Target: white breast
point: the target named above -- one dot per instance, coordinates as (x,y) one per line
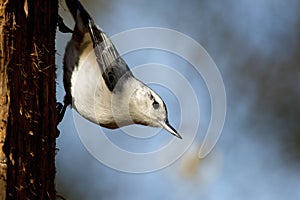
(91,98)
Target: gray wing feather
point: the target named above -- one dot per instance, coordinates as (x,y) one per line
(112,66)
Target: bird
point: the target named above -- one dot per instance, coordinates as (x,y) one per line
(99,84)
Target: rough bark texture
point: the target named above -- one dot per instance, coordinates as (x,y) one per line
(4,98)
(27,99)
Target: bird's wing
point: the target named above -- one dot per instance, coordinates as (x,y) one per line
(112,66)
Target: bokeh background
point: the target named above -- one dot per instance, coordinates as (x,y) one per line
(256,46)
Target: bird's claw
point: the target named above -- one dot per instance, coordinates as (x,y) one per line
(60,111)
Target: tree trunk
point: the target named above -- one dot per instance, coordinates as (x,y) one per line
(27,99)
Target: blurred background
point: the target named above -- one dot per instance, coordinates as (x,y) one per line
(256,46)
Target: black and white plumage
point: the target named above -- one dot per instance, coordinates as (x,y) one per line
(99,84)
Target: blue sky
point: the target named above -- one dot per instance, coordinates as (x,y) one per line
(255,45)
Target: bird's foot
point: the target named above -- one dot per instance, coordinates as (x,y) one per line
(62,27)
(60,111)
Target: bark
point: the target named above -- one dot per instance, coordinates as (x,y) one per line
(27,99)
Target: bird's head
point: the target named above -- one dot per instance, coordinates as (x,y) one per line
(147,108)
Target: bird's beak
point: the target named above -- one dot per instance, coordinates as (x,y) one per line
(172,130)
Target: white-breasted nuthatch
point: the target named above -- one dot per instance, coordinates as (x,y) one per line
(99,84)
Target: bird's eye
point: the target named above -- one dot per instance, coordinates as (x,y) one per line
(155,105)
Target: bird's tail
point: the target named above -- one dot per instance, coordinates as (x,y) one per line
(80,15)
